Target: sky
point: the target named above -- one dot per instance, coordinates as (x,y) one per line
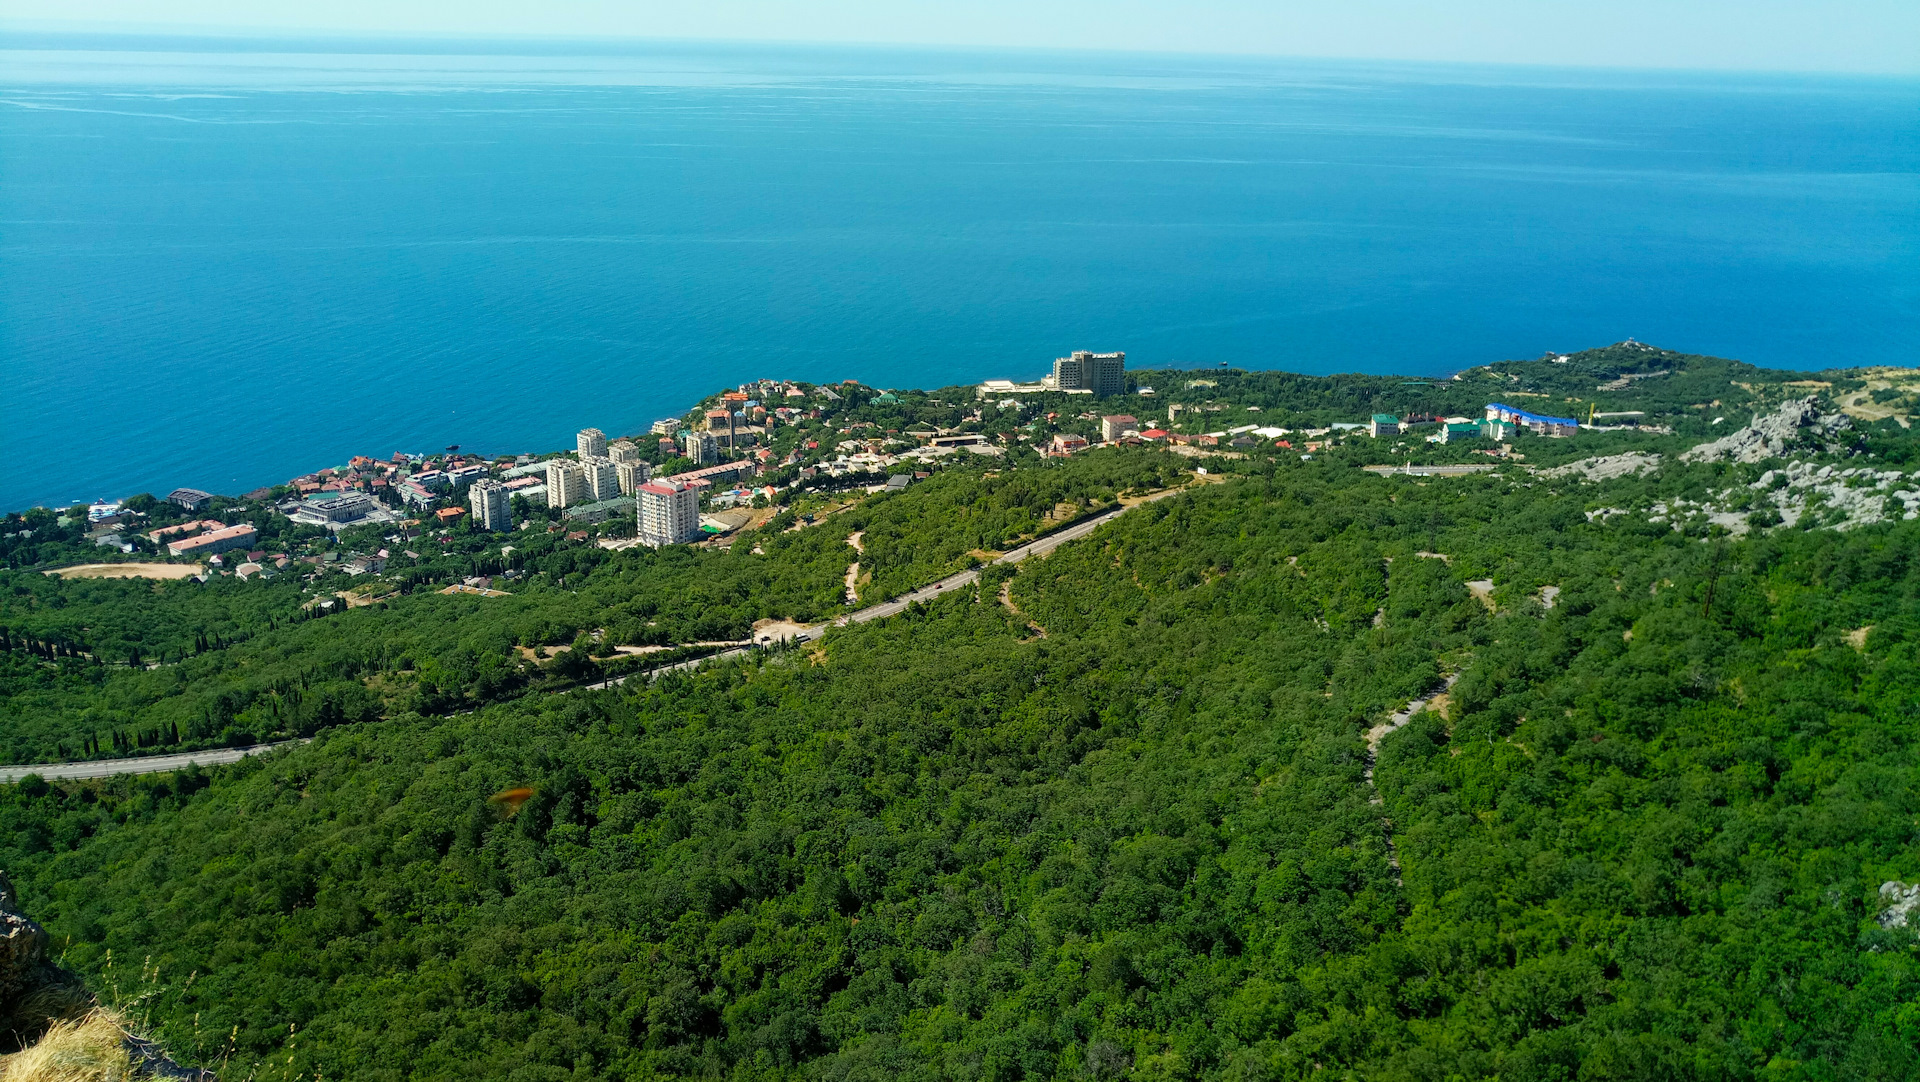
(1842,36)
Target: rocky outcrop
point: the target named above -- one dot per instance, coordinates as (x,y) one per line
(1902,902)
(1604,467)
(1795,423)
(51,1026)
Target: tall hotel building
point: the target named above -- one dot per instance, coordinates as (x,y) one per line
(1104,374)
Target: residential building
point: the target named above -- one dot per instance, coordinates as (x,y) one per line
(633,475)
(492,505)
(1066,443)
(415,493)
(189,499)
(1174,410)
(465,474)
(1102,373)
(1116,425)
(723,472)
(222,540)
(666,426)
(431,480)
(667,513)
(326,507)
(1383,424)
(600,511)
(623,451)
(602,477)
(184,528)
(703,448)
(592,443)
(1455,431)
(566,483)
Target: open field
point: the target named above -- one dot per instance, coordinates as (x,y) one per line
(127,571)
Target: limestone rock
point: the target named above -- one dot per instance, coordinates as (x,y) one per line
(1772,435)
(1903,904)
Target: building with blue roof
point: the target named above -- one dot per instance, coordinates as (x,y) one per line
(1539,424)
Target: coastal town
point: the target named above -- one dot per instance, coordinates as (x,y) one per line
(744,455)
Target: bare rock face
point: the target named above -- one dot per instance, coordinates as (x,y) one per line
(1604,467)
(37,997)
(1772,435)
(1902,901)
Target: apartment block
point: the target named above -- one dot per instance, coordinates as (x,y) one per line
(566,483)
(492,504)
(667,514)
(602,477)
(632,476)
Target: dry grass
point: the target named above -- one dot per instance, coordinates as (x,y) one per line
(92,1049)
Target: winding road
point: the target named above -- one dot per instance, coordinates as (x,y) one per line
(160,764)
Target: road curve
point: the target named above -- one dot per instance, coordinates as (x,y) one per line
(146,764)
(160,764)
(959,580)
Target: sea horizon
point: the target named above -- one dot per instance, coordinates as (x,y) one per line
(246,263)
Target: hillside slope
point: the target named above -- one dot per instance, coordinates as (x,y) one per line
(1117,824)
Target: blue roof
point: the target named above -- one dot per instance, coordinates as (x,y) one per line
(1529,417)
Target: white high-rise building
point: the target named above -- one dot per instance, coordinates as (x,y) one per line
(566,483)
(592,443)
(602,477)
(668,513)
(1104,374)
(492,505)
(632,476)
(703,449)
(623,451)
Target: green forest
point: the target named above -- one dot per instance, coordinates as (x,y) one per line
(1110,814)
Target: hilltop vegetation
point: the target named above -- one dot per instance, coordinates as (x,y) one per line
(1109,816)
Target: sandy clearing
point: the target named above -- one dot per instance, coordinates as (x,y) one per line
(128,571)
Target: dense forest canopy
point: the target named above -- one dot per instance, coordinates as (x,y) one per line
(1133,810)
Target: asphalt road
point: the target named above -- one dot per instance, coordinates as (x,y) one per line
(160,764)
(958,581)
(147,764)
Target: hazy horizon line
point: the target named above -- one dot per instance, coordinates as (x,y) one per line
(614,44)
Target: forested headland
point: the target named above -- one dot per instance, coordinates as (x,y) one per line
(1134,810)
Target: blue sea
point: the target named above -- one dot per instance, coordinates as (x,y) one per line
(227,262)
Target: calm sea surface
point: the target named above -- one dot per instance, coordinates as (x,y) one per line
(222,264)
